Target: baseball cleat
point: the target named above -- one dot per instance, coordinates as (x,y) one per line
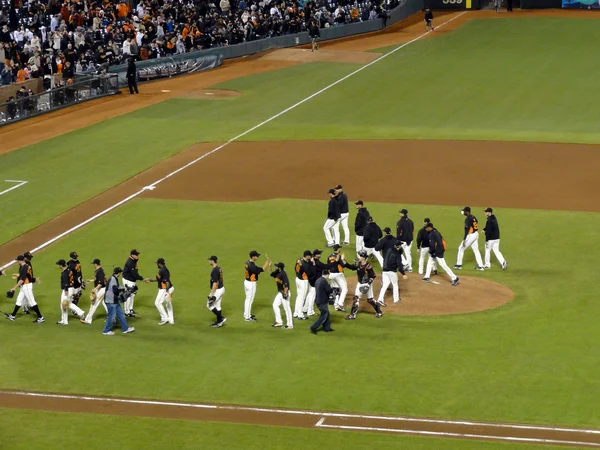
(222,322)
(345,243)
(425,279)
(378,315)
(250,319)
(455,281)
(163,322)
(109,333)
(214,324)
(26,311)
(382,304)
(340,308)
(132,313)
(434,271)
(350,317)
(61,323)
(171,322)
(288,327)
(329,245)
(457,267)
(84,322)
(129,330)
(487,267)
(504,265)
(10,317)
(480,268)
(399,300)
(39,320)
(277,324)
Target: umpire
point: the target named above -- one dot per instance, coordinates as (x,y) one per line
(132,77)
(323,294)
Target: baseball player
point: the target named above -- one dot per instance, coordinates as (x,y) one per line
(165,291)
(470,239)
(28,257)
(217,290)
(314,34)
(130,278)
(282,298)
(302,270)
(332,224)
(337,262)
(97,293)
(251,273)
(429,20)
(365,275)
(342,198)
(78,283)
(372,235)
(423,247)
(497,5)
(25,281)
(67,283)
(437,248)
(360,223)
(384,245)
(492,240)
(315,272)
(405,229)
(392,264)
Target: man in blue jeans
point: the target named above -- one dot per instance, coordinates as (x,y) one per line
(111,299)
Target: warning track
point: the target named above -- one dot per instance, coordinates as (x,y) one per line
(516,433)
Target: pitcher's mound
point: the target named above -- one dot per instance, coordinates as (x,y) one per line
(208,94)
(437,297)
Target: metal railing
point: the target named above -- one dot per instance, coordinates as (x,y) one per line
(86,88)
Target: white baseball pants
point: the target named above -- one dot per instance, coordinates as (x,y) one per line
(389,278)
(344,222)
(443,264)
(338,280)
(360,243)
(25,297)
(472,240)
(128,305)
(332,231)
(99,300)
(250,290)
(164,305)
(359,294)
(219,293)
(309,305)
(406,254)
(424,253)
(301,293)
(493,246)
(376,254)
(279,300)
(68,299)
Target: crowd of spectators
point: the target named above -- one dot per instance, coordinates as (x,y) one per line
(68,37)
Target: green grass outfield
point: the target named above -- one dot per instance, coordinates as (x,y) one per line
(30,430)
(520,363)
(521,79)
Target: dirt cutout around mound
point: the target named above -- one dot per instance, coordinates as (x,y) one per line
(210,94)
(436,297)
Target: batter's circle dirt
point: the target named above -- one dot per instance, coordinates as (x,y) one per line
(438,297)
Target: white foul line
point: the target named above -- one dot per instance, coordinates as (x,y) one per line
(21,183)
(236,138)
(321,414)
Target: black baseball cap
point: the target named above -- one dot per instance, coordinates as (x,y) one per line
(429,225)
(398,243)
(339,186)
(134,252)
(213,258)
(369,219)
(160,261)
(316,252)
(254,253)
(117,270)
(467,209)
(331,191)
(307,253)
(96,261)
(488,210)
(426,220)
(387,230)
(20,258)
(280,265)
(61,262)
(28,255)
(404,211)
(73,255)
(336,247)
(359,202)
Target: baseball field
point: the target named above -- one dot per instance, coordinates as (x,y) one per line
(490,110)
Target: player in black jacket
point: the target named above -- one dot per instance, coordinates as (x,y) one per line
(405,229)
(130,278)
(25,281)
(372,235)
(364,285)
(163,301)
(217,290)
(302,270)
(332,224)
(392,264)
(360,223)
(67,281)
(282,298)
(99,290)
(78,283)
(470,239)
(384,245)
(315,272)
(437,249)
(428,20)
(344,212)
(423,247)
(492,240)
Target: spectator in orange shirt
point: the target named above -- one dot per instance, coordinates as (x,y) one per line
(21,75)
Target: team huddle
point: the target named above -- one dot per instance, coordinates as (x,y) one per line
(318,282)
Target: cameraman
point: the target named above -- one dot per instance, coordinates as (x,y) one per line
(115,294)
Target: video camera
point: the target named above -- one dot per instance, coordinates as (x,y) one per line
(126,292)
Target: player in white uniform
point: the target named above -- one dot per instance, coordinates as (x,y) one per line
(470,239)
(344,212)
(25,285)
(98,292)
(251,273)
(337,262)
(492,240)
(217,290)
